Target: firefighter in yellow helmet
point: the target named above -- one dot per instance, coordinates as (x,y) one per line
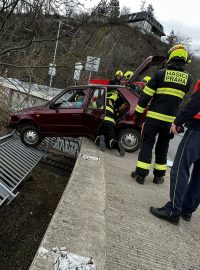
(164,92)
(106,135)
(117,79)
(178,52)
(146,79)
(128,74)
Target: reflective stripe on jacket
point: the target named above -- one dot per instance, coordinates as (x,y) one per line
(164,92)
(110,104)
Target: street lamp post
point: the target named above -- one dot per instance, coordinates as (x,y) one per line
(55,51)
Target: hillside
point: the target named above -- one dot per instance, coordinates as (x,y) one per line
(118,46)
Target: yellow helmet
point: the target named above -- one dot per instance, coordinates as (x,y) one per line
(178,52)
(146,79)
(128,74)
(119,73)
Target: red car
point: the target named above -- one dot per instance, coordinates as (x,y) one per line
(78,111)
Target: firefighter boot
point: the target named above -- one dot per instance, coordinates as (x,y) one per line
(120,149)
(102,144)
(162,214)
(158,179)
(138,178)
(186,216)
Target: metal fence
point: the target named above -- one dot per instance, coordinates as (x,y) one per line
(16,162)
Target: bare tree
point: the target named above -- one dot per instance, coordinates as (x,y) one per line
(30,34)
(102,10)
(150,9)
(143,5)
(25,22)
(114,10)
(125,10)
(173,39)
(4,108)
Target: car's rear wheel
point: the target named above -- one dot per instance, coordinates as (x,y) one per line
(30,136)
(130,139)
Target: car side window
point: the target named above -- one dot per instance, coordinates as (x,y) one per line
(71,99)
(98,99)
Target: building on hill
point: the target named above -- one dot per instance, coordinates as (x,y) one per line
(145,22)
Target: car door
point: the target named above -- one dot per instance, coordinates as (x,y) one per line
(95,111)
(64,116)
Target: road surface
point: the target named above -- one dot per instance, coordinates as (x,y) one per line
(173,146)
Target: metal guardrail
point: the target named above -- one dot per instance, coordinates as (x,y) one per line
(16,162)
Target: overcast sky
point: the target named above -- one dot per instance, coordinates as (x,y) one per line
(181,16)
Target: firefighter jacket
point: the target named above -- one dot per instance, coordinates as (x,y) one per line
(191,112)
(164,93)
(115,81)
(110,108)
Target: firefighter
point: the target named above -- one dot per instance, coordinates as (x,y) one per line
(117,79)
(164,92)
(146,79)
(128,74)
(184,185)
(107,130)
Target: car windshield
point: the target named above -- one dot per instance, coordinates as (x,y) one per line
(71,99)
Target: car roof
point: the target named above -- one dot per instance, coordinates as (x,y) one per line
(95,85)
(88,86)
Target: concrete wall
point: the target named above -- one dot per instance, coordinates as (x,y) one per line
(78,224)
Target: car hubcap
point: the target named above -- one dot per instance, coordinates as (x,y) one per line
(129,140)
(30,137)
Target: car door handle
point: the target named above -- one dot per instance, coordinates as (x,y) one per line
(75,114)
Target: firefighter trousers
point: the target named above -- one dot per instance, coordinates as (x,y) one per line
(108,129)
(149,135)
(185,190)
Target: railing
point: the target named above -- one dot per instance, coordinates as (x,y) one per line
(16,162)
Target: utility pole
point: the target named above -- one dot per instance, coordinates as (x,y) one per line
(55,51)
(90,75)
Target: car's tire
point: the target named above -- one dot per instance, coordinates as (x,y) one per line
(130,139)
(30,136)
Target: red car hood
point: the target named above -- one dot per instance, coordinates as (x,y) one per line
(32,109)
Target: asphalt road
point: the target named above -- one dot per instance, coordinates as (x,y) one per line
(173,146)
